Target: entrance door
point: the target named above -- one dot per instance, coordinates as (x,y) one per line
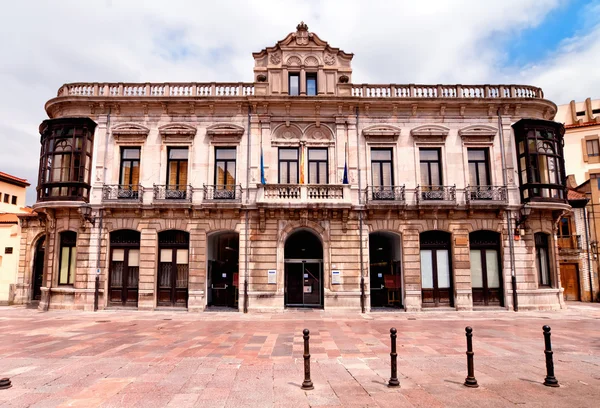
(124,277)
(221,284)
(173,268)
(38,269)
(223,269)
(569,277)
(486,276)
(303,286)
(436,276)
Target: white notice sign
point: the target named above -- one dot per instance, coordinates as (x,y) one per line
(336,278)
(272,274)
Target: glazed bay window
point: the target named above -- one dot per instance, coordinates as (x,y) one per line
(311,83)
(317,166)
(540,160)
(129,177)
(225,160)
(288,165)
(177,172)
(294,84)
(542,259)
(68,258)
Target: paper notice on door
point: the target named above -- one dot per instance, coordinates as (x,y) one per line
(336,278)
(272,276)
(224,275)
(306,276)
(308,289)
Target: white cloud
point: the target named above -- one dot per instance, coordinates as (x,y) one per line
(49,43)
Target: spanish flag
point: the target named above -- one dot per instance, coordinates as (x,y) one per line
(301,164)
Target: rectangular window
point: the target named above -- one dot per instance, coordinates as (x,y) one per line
(225,168)
(130,167)
(288,165)
(431,168)
(564,229)
(543,260)
(68,258)
(177,168)
(6,198)
(294,84)
(593,147)
(311,83)
(478,167)
(382,168)
(14,200)
(317,166)
(8,250)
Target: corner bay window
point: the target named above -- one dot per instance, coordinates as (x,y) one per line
(65,159)
(68,258)
(542,258)
(540,160)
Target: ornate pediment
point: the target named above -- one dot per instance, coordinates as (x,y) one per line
(177,133)
(478,133)
(430,133)
(312,135)
(130,133)
(381,133)
(225,132)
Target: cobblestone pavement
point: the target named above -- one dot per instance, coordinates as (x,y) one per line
(223,359)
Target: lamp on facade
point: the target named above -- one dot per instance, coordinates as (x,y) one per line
(86,214)
(524,213)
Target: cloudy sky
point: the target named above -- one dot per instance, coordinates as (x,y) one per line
(554,44)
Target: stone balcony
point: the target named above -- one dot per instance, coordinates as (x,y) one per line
(304,195)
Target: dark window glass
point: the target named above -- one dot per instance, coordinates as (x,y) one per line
(382,167)
(6,198)
(68,256)
(311,83)
(593,148)
(225,167)
(542,258)
(431,169)
(317,166)
(294,84)
(130,167)
(288,165)
(14,200)
(8,250)
(478,167)
(564,227)
(177,168)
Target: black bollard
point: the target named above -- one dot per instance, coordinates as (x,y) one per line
(96,292)
(470,381)
(307,384)
(550,380)
(5,383)
(394,356)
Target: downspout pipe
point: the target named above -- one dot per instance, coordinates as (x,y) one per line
(588,248)
(511,244)
(247,226)
(360,218)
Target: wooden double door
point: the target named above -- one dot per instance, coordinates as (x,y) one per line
(486,271)
(569,277)
(124,268)
(436,269)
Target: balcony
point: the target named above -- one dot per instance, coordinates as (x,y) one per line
(435,195)
(225,193)
(385,195)
(329,195)
(483,196)
(172,192)
(569,244)
(122,193)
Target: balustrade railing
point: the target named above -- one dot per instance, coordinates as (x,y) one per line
(446,91)
(124,192)
(166,89)
(229,192)
(385,193)
(486,194)
(324,192)
(282,191)
(176,192)
(435,193)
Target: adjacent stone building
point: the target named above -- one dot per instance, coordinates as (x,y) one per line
(300,189)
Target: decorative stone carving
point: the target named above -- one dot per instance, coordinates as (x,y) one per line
(294,61)
(225,132)
(311,61)
(430,133)
(132,133)
(381,133)
(177,133)
(478,133)
(329,59)
(286,133)
(261,78)
(275,58)
(318,133)
(302,36)
(344,79)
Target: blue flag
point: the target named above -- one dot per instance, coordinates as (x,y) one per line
(345,179)
(262,167)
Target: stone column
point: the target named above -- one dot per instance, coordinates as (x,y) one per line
(302,82)
(412,270)
(148,269)
(461,262)
(197,271)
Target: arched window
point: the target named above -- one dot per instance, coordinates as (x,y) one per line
(68,258)
(65,159)
(540,160)
(542,259)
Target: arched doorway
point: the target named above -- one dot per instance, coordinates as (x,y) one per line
(223,253)
(38,268)
(303,255)
(124,268)
(486,273)
(436,269)
(385,270)
(173,268)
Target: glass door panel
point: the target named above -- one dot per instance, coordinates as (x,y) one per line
(312,284)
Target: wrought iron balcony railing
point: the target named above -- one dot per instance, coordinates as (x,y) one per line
(181,192)
(124,192)
(229,192)
(386,193)
(483,194)
(435,193)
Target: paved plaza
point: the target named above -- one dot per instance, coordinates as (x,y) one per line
(125,358)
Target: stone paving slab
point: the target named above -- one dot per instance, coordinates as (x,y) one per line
(171,359)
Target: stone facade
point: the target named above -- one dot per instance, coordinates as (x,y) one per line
(302,100)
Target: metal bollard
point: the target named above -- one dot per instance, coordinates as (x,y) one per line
(307,384)
(96,292)
(394,356)
(5,383)
(550,380)
(470,381)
